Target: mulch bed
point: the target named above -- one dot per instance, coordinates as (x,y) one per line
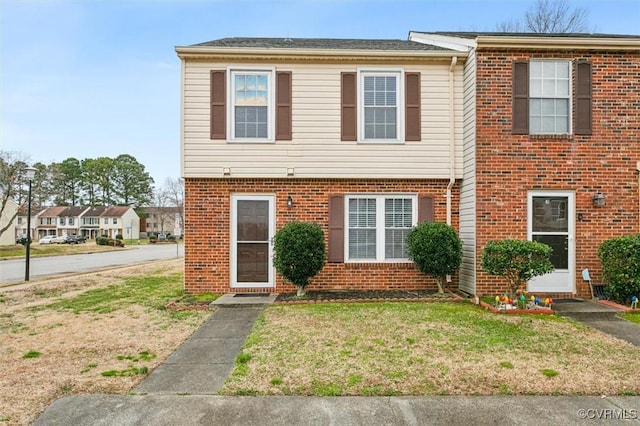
(316,296)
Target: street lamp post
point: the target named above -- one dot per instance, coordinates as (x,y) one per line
(30,174)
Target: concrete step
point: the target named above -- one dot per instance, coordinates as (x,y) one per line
(240,300)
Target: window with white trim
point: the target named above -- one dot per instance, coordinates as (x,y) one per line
(549,97)
(251,105)
(381,106)
(377,226)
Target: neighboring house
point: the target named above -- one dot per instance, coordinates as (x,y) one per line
(364,137)
(47,222)
(163,220)
(8,219)
(110,221)
(552,148)
(69,220)
(21,222)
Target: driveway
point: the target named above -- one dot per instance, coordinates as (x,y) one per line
(12,271)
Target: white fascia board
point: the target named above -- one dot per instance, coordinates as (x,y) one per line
(456,43)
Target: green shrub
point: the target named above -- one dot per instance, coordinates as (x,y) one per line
(517,261)
(436,250)
(621,267)
(299,252)
(119,237)
(101,241)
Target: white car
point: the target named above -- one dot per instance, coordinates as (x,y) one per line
(52,239)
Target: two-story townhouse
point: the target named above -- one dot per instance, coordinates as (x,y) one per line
(90,222)
(8,223)
(21,222)
(162,220)
(69,220)
(551,148)
(48,219)
(364,137)
(120,220)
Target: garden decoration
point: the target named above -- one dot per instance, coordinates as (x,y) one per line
(547,302)
(634,302)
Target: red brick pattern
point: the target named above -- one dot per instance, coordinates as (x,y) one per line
(510,165)
(207,230)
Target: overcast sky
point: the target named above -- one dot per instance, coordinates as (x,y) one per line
(98,78)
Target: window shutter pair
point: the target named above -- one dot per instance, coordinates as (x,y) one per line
(336,222)
(219,107)
(583,98)
(349,111)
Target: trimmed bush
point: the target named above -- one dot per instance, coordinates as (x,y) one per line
(299,253)
(119,237)
(517,261)
(101,241)
(620,259)
(436,250)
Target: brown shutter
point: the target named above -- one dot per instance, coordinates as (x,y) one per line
(283,106)
(583,98)
(520,119)
(412,106)
(348,113)
(336,228)
(425,209)
(218,105)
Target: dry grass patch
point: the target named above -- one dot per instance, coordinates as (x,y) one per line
(111,322)
(428,349)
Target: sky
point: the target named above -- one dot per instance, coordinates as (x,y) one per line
(93,78)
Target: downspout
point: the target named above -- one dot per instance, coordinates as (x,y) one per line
(452,137)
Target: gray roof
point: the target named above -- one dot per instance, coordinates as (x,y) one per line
(319,43)
(474,34)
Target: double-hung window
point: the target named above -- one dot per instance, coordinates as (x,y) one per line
(381,106)
(549,97)
(378,225)
(252,105)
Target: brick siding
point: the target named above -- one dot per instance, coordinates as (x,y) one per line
(510,165)
(207,230)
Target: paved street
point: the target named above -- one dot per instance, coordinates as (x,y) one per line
(13,270)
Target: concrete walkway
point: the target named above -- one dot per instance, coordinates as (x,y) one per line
(181,392)
(600,317)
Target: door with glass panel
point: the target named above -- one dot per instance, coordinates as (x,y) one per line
(251,234)
(551,221)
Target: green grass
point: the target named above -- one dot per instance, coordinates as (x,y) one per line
(31,354)
(414,348)
(150,291)
(632,316)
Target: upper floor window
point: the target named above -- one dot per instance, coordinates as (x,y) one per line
(19,221)
(70,221)
(549,97)
(377,226)
(545,94)
(243,104)
(381,111)
(115,220)
(62,221)
(106,220)
(380,105)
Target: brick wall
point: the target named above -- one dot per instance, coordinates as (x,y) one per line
(207,224)
(510,165)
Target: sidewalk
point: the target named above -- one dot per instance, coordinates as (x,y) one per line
(181,391)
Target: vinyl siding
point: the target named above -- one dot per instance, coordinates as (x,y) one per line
(468,186)
(315,150)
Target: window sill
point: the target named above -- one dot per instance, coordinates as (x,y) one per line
(391,264)
(380,142)
(251,141)
(551,136)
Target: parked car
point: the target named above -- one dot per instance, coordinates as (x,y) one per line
(52,239)
(22,239)
(75,239)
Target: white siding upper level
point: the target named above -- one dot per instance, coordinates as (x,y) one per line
(316,149)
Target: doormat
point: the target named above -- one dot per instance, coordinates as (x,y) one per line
(251,295)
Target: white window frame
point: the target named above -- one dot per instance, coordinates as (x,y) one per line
(568,97)
(271,103)
(380,225)
(386,72)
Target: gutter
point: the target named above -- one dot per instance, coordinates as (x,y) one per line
(452,137)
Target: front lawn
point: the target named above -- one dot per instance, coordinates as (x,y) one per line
(409,348)
(632,316)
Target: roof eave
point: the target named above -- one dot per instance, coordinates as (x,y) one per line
(202,52)
(565,43)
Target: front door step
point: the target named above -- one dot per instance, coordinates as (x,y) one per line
(232,300)
(584,310)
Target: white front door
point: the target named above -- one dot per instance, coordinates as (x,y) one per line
(552,222)
(252,229)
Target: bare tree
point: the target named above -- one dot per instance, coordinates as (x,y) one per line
(174,189)
(12,183)
(550,16)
